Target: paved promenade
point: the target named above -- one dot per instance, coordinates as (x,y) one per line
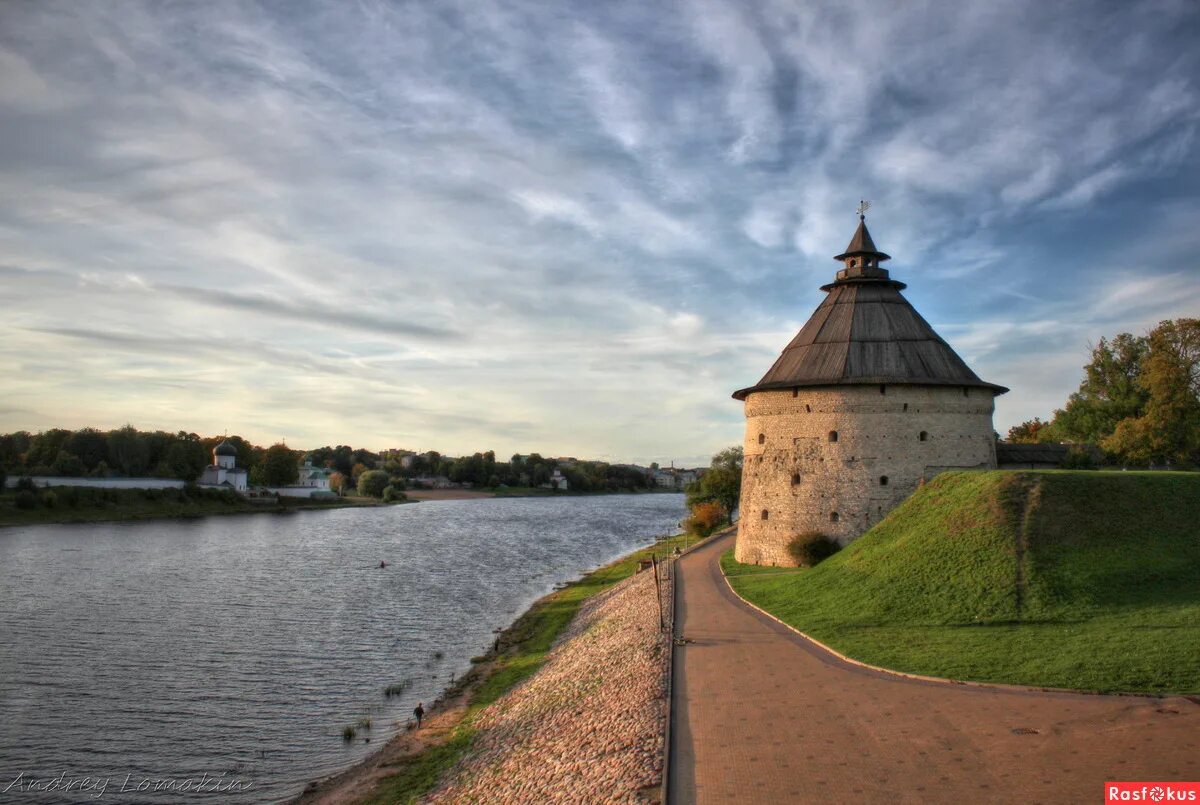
(762,715)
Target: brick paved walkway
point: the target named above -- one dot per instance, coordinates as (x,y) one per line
(762,715)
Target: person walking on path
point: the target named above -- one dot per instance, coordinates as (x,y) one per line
(419,712)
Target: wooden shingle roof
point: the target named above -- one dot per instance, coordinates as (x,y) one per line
(866,332)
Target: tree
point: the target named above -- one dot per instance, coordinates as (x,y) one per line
(128,451)
(337,482)
(45,448)
(280,466)
(13,447)
(90,445)
(1031,431)
(704,519)
(357,470)
(721,484)
(372,483)
(1168,430)
(1111,391)
(68,465)
(185,460)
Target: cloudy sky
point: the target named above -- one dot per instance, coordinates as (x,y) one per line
(567,227)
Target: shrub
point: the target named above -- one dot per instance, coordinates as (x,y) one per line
(704,519)
(372,483)
(391,495)
(26,484)
(809,549)
(25,500)
(1078,458)
(49,499)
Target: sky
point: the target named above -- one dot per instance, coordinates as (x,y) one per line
(567,227)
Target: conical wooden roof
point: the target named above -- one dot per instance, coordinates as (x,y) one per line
(866,332)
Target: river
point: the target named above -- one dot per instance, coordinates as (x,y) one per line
(231,651)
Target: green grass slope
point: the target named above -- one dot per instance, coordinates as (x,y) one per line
(1086,580)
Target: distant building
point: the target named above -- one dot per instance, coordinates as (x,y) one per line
(671,478)
(557,481)
(99,483)
(224,472)
(434,482)
(313,477)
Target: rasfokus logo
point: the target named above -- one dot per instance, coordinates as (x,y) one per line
(1151,792)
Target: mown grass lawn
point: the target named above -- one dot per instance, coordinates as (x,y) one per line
(1079,580)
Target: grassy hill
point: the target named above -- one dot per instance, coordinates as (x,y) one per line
(1087,580)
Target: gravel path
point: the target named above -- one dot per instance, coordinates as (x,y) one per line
(588,726)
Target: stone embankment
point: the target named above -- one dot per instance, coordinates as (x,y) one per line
(589,725)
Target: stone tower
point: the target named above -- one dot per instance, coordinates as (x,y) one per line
(865,403)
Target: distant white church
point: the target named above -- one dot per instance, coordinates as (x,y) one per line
(224,472)
(311,477)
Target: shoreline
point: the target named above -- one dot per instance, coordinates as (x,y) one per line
(445,739)
(475,494)
(148,511)
(66,516)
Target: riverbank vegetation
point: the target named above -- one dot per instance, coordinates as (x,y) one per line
(518,653)
(130,453)
(1083,580)
(28,505)
(713,497)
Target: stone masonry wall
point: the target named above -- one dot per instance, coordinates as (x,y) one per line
(804,481)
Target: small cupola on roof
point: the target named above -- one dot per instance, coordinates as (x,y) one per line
(225,449)
(861,257)
(866,332)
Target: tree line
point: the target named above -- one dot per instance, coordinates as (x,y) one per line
(1139,400)
(131,453)
(532,470)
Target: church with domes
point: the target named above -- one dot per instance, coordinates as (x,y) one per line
(224,471)
(863,405)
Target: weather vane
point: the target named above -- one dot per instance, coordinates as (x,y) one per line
(863,206)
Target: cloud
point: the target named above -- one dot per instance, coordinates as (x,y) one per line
(418,224)
(313,313)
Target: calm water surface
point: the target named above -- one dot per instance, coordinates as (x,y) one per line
(238,647)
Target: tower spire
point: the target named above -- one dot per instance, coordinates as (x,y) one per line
(862,257)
